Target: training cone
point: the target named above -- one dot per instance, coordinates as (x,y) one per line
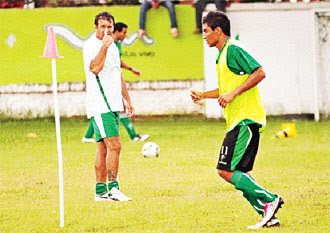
(51,50)
(289,130)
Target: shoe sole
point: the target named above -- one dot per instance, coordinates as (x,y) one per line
(115,199)
(274,225)
(145,139)
(103,200)
(280,203)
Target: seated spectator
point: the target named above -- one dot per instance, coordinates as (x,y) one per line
(147,4)
(200,6)
(12,3)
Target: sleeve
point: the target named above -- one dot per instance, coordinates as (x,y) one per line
(241,61)
(88,55)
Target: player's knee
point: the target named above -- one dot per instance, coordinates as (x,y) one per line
(224,174)
(221,173)
(116,146)
(113,144)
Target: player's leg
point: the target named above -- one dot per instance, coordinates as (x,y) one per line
(113,152)
(114,148)
(128,125)
(101,190)
(105,125)
(237,156)
(259,207)
(89,133)
(131,130)
(108,131)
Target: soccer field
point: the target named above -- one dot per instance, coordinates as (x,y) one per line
(179,191)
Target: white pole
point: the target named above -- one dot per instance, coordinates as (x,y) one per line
(59,144)
(314,64)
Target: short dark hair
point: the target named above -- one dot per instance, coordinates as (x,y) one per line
(219,19)
(119,26)
(103,15)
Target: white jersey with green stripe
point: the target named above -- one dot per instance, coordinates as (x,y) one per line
(109,76)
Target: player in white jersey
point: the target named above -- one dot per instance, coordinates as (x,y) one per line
(105,90)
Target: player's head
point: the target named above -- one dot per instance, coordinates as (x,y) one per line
(120,30)
(216,25)
(104,21)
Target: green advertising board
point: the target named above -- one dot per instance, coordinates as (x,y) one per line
(162,57)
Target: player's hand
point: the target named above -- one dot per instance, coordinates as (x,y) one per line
(136,71)
(107,39)
(225,99)
(196,96)
(129,110)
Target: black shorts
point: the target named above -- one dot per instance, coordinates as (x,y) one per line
(239,148)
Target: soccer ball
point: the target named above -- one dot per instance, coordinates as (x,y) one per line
(150,150)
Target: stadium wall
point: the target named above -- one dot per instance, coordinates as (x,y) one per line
(149,98)
(291,41)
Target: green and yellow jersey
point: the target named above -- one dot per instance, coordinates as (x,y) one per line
(118,44)
(234,65)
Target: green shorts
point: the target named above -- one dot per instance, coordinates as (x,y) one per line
(106,125)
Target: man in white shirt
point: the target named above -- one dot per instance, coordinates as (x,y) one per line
(105,92)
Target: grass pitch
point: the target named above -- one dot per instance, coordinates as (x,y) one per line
(179,191)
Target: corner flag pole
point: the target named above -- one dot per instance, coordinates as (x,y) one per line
(51,51)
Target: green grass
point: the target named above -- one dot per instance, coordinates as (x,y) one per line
(178,192)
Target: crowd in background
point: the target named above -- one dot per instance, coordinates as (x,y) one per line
(77,3)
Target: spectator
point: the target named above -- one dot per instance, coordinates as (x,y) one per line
(200,6)
(147,4)
(12,3)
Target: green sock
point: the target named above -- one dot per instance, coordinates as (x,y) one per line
(112,184)
(90,131)
(247,185)
(101,188)
(128,126)
(255,203)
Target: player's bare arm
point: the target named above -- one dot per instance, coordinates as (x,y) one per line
(97,63)
(197,96)
(253,79)
(128,102)
(130,68)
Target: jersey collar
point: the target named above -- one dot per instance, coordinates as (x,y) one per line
(219,54)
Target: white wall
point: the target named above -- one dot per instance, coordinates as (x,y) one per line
(284,41)
(149,98)
(324,62)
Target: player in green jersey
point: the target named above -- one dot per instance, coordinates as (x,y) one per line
(237,93)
